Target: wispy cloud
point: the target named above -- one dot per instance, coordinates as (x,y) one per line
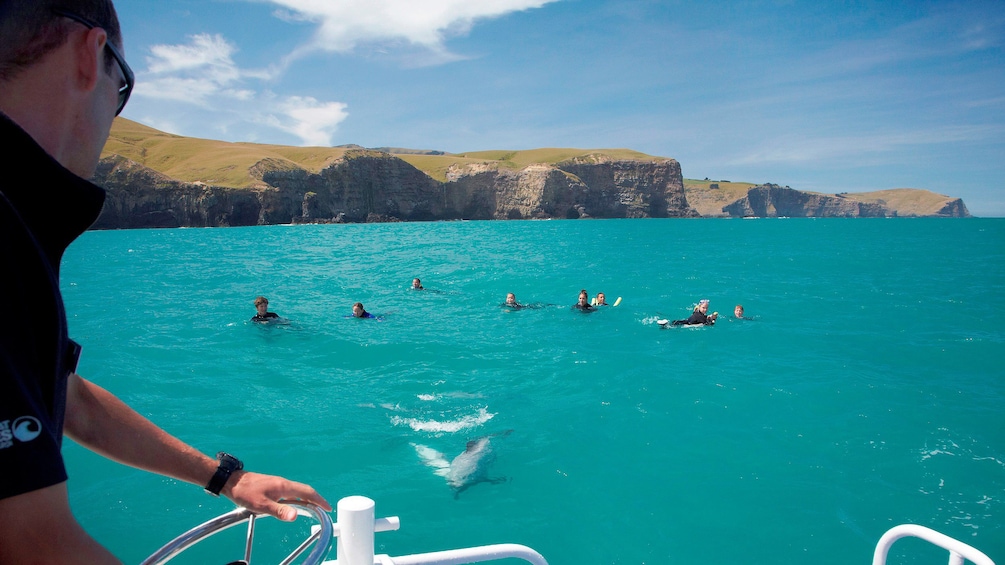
(198,72)
(203,73)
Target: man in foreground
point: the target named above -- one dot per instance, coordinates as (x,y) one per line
(63,79)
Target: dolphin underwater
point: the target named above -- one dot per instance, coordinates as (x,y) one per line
(467,469)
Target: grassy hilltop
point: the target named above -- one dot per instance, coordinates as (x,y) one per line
(218,163)
(223,163)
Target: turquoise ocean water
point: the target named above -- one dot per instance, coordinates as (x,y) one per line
(866,392)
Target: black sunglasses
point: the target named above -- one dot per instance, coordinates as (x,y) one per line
(127,74)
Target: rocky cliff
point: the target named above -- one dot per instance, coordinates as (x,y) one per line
(771,200)
(157,179)
(366,185)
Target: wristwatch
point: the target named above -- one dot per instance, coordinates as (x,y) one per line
(228,464)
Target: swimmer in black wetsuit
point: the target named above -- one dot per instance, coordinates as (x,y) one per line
(417,284)
(699,316)
(584,302)
(511,302)
(600,300)
(263,315)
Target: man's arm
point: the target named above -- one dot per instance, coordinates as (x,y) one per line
(98,420)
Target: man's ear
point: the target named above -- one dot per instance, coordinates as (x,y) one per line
(90,60)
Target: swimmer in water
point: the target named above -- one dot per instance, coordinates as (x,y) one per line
(699,316)
(263,315)
(600,300)
(738,312)
(584,302)
(511,302)
(417,284)
(359,312)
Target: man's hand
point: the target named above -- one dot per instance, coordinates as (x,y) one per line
(266,493)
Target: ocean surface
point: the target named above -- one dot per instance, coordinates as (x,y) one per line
(866,391)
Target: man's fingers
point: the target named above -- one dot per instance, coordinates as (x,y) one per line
(285,513)
(300,491)
(267,494)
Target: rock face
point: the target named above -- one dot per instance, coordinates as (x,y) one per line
(370,186)
(590,187)
(139,197)
(954,209)
(771,200)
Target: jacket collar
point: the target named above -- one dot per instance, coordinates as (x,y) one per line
(55,204)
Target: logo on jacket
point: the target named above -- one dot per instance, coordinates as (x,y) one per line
(23,429)
(26,428)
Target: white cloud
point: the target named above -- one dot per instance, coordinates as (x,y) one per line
(195,72)
(312,121)
(203,73)
(212,51)
(343,24)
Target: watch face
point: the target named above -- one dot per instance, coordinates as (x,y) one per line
(229,461)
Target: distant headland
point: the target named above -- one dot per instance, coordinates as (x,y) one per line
(156,179)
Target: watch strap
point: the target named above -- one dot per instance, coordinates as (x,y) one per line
(228,464)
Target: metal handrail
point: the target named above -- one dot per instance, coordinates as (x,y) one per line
(468,555)
(357,524)
(958,551)
(323,535)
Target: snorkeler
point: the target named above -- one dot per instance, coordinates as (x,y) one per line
(584,302)
(263,315)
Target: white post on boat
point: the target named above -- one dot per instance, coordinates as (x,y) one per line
(355,519)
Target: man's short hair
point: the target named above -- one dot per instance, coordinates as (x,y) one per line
(31,29)
(261,300)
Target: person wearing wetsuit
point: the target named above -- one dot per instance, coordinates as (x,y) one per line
(511,302)
(699,316)
(263,315)
(359,312)
(584,302)
(417,284)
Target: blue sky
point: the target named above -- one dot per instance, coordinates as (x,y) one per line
(821,96)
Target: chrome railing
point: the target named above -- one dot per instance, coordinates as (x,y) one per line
(321,535)
(958,551)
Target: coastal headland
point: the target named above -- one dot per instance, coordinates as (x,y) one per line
(156,179)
